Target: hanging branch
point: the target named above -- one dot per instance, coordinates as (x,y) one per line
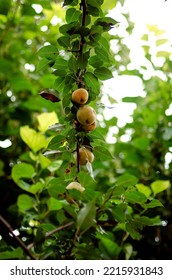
(17,239)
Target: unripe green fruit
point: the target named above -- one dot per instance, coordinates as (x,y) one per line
(85,155)
(75,186)
(89,127)
(80,96)
(86,115)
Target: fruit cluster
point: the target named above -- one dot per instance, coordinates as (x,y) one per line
(85,121)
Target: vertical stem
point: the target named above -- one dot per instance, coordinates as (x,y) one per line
(77,153)
(84,9)
(80,73)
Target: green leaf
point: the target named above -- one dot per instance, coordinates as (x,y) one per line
(59,84)
(24,185)
(56,186)
(163,54)
(46,119)
(118,191)
(83,60)
(86,180)
(119,212)
(135,197)
(72,15)
(106,22)
(161,42)
(39,239)
(36,188)
(22,170)
(64,41)
(24,202)
(94,11)
(144,189)
(109,248)
(5,6)
(35,140)
(102,153)
(42,64)
(160,186)
(154,203)
(126,180)
(95,135)
(9,255)
(86,217)
(103,73)
(56,142)
(54,204)
(95,61)
(92,82)
(95,3)
(141,143)
(102,53)
(133,231)
(70,2)
(60,63)
(143,221)
(73,64)
(44,161)
(49,52)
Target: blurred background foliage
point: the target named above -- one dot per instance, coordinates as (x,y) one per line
(141,147)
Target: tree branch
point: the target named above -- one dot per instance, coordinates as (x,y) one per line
(84,10)
(48,234)
(17,239)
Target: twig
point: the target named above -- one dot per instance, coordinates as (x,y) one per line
(84,10)
(48,234)
(18,240)
(77,154)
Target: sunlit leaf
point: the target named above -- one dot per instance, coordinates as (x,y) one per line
(161,42)
(22,170)
(144,189)
(35,140)
(160,186)
(46,119)
(25,202)
(54,204)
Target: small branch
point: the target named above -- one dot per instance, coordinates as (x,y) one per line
(77,153)
(48,234)
(84,10)
(17,239)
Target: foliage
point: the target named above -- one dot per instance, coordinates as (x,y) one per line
(127,187)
